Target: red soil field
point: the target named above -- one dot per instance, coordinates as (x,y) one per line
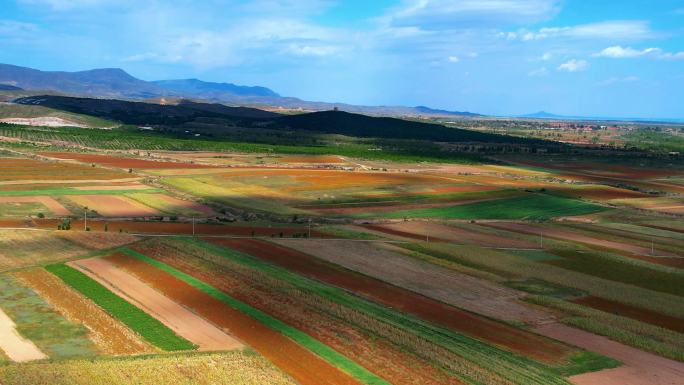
(633,312)
(168,228)
(376,354)
(508,337)
(114,161)
(301,364)
(50,203)
(16,169)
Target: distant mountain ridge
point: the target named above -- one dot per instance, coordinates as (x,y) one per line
(116,83)
(198,87)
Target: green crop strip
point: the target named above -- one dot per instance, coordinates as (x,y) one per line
(336,359)
(68,191)
(518,369)
(532,206)
(142,323)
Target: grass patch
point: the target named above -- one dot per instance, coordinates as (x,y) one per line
(539,287)
(142,323)
(535,255)
(39,322)
(21,209)
(531,206)
(336,359)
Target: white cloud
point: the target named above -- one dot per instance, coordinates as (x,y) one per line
(453,59)
(573,65)
(609,30)
(454,14)
(66,5)
(538,72)
(619,52)
(311,50)
(546,56)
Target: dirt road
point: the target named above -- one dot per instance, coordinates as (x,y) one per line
(16,347)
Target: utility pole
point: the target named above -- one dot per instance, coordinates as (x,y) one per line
(193,226)
(652,247)
(85,219)
(427,232)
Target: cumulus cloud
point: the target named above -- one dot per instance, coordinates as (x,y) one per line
(573,65)
(453,59)
(619,52)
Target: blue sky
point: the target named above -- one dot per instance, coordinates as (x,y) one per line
(505,57)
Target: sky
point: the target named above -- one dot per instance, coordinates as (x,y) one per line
(611,58)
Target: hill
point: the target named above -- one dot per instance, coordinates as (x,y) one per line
(210,90)
(345,123)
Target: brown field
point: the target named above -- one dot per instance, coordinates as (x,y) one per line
(661,204)
(121,162)
(97,240)
(179,319)
(599,193)
(445,233)
(16,347)
(129,186)
(20,248)
(113,205)
(50,203)
(295,360)
(401,299)
(379,356)
(639,367)
(170,204)
(633,312)
(30,170)
(108,334)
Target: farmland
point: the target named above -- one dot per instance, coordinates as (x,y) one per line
(177,260)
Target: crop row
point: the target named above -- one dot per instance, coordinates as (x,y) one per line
(294,334)
(517,369)
(142,323)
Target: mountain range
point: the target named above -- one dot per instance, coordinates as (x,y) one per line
(117,83)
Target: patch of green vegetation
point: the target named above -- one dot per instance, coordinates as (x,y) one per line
(69,191)
(532,206)
(586,361)
(655,141)
(540,287)
(535,255)
(39,322)
(142,323)
(518,369)
(341,232)
(593,264)
(338,360)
